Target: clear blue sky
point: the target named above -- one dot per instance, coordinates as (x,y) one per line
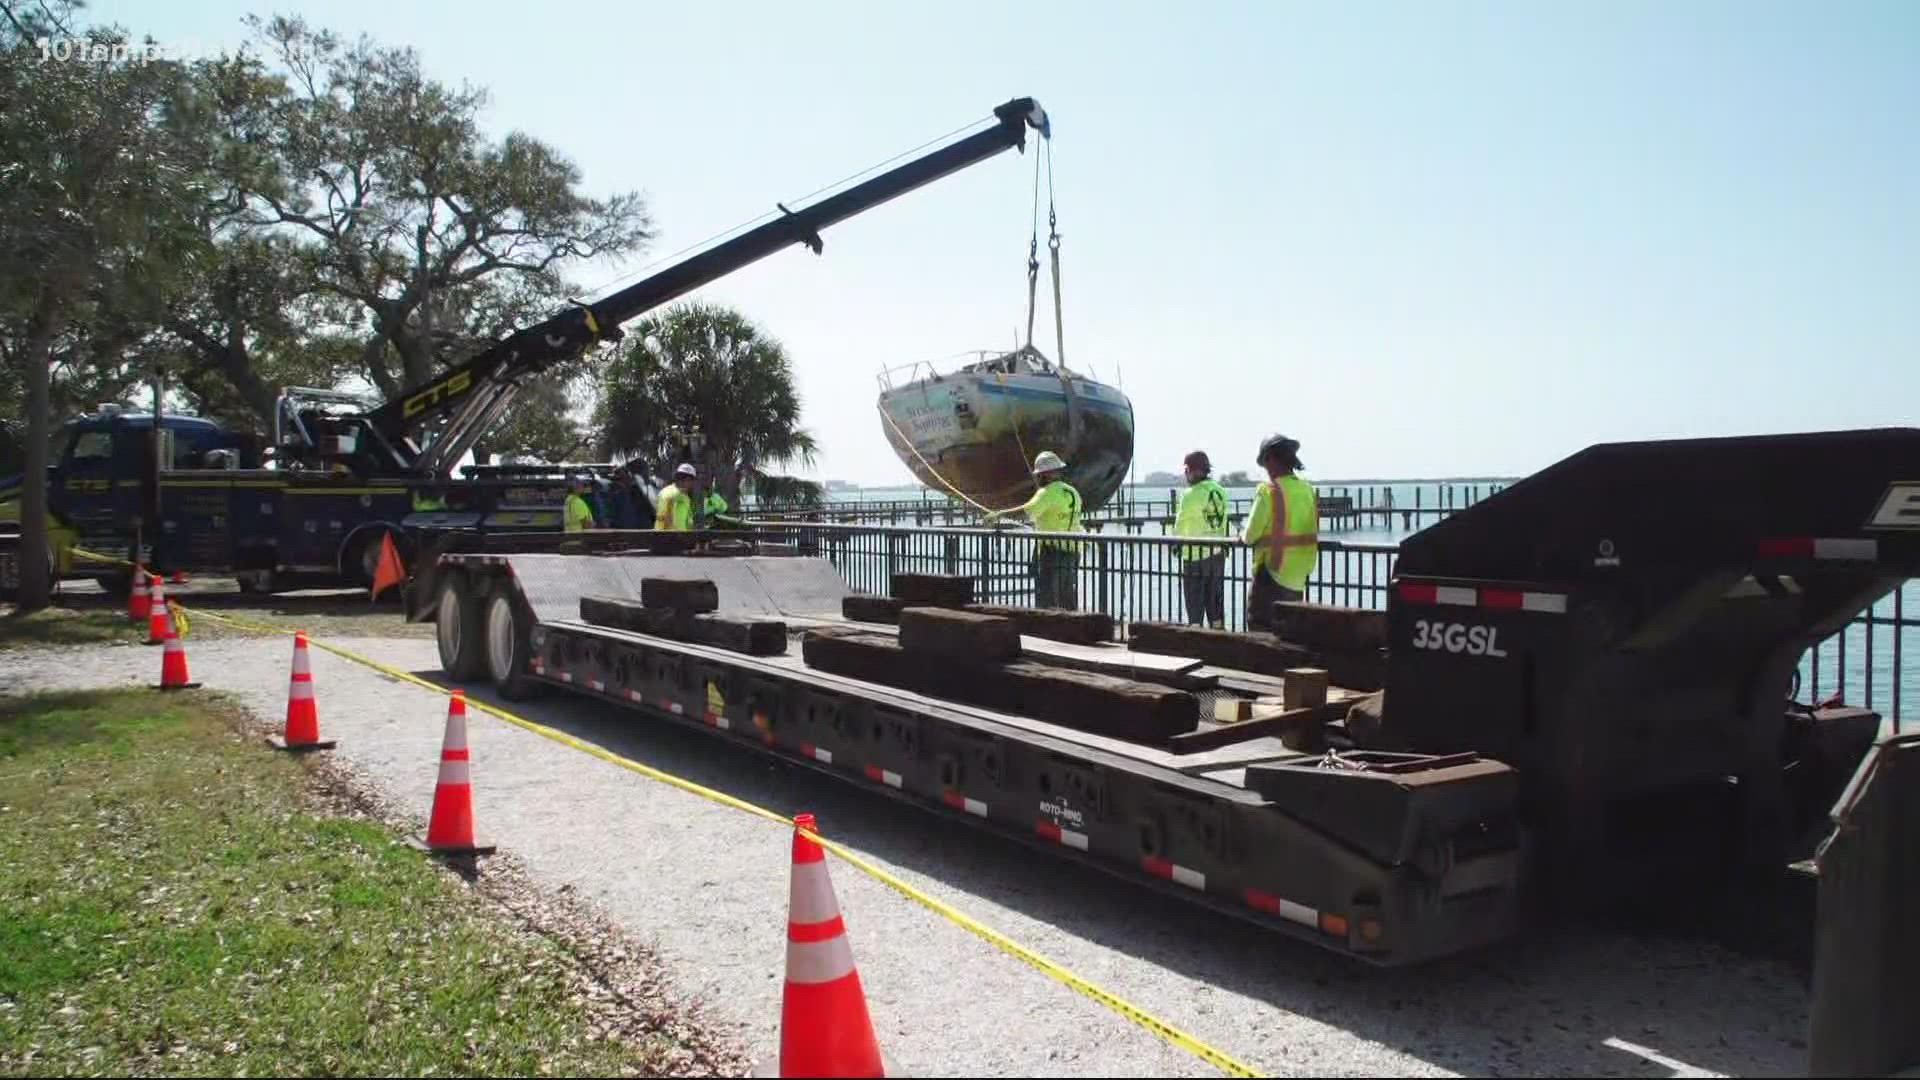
(1423,239)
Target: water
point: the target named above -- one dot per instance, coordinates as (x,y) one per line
(1869,664)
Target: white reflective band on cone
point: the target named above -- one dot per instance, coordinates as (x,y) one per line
(455,772)
(301,691)
(819,961)
(812,894)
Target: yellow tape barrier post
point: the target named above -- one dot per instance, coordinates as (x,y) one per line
(1145,1020)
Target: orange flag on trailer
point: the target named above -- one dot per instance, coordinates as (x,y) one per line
(389,572)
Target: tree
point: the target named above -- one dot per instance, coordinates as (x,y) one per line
(701,367)
(395,198)
(98,188)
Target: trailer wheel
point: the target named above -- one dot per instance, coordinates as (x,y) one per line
(509,645)
(460,629)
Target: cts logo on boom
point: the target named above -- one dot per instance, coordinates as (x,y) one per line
(1456,637)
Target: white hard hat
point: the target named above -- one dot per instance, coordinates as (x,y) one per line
(1047,461)
(685,470)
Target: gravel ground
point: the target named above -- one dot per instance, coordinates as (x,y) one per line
(706,888)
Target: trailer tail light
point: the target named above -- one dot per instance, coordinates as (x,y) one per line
(1824,549)
(1370,930)
(1337,925)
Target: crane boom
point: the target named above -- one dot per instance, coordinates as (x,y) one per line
(473,394)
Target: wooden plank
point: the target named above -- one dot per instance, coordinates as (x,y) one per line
(1087,701)
(1329,627)
(872,609)
(1211,736)
(1262,653)
(1079,627)
(690,595)
(948,590)
(961,634)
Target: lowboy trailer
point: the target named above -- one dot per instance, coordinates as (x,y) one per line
(1587,696)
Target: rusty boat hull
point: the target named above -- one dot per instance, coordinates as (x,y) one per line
(977,429)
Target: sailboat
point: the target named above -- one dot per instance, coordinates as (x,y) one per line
(974,430)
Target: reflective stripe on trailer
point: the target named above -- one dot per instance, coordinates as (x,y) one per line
(672,706)
(818,753)
(1825,549)
(1294,912)
(961,802)
(596,684)
(1422,592)
(635,695)
(1192,879)
(717,720)
(1067,837)
(883,776)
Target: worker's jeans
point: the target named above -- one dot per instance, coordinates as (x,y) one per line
(1262,594)
(1056,578)
(1206,585)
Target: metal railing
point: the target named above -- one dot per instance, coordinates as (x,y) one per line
(1138,511)
(1140,578)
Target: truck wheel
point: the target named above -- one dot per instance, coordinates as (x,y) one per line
(461,630)
(509,645)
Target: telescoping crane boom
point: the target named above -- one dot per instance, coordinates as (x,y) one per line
(473,394)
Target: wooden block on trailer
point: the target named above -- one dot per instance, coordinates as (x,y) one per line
(875,609)
(755,637)
(1326,627)
(1084,700)
(691,595)
(1305,687)
(1054,624)
(946,590)
(1254,652)
(1232,710)
(964,635)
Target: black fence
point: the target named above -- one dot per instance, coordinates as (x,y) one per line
(1137,577)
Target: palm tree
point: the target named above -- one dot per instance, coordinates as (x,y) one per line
(698,367)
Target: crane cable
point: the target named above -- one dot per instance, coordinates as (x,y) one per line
(1053,248)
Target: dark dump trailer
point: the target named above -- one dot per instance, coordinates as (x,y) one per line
(1582,684)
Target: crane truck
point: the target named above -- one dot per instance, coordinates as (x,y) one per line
(188,494)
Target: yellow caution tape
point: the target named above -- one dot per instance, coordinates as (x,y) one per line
(1146,1020)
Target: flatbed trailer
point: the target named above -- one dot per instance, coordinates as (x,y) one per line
(1572,711)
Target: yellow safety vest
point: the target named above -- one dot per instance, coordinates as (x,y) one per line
(1055,508)
(676,510)
(576,514)
(1302,526)
(1203,512)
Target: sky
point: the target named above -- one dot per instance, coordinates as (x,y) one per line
(1458,239)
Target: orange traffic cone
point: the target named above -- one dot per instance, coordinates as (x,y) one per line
(173,662)
(824,1026)
(450,828)
(302,729)
(159,625)
(139,599)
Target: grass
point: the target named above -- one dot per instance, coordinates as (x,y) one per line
(67,626)
(80,618)
(169,905)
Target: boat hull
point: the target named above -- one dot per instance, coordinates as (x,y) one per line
(978,433)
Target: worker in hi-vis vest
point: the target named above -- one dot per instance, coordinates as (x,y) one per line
(576,514)
(674,510)
(1284,531)
(1053,508)
(1203,513)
